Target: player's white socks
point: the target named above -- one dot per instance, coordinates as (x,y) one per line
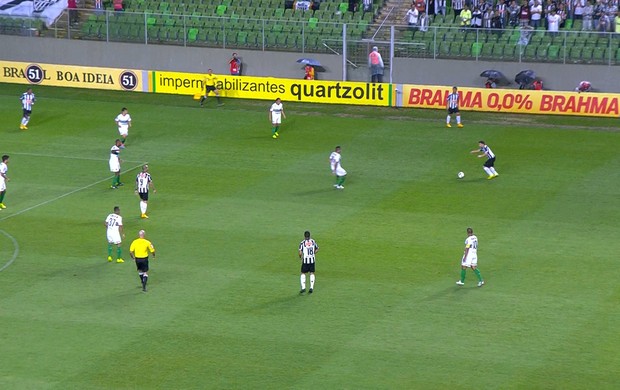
(488,171)
(458,119)
(311,280)
(493,170)
(448,119)
(143,207)
(303,281)
(25,121)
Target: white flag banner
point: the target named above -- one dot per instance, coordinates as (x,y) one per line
(48,10)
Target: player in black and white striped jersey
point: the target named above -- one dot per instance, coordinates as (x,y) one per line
(143,184)
(489,165)
(307,252)
(28,100)
(452,103)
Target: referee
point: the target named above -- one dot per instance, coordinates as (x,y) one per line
(210,83)
(452,103)
(139,251)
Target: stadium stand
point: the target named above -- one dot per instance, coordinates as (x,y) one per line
(289,26)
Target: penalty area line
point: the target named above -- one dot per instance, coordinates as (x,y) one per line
(66,194)
(66,157)
(16,244)
(15,250)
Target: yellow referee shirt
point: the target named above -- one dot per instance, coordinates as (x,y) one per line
(141,247)
(210,80)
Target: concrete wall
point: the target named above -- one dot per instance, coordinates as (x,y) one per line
(280,64)
(161,57)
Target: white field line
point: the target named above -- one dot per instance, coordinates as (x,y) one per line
(15,251)
(67,157)
(15,244)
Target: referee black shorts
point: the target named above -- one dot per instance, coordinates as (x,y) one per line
(142,264)
(307,267)
(144,195)
(453,110)
(210,88)
(490,162)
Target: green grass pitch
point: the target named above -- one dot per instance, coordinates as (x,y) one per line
(223,309)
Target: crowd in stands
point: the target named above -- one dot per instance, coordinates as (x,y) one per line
(594,15)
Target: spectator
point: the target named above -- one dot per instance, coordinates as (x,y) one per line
(583,86)
(309,72)
(73,12)
(99,7)
(118,5)
(497,22)
(465,16)
(537,85)
(424,22)
(513,14)
(375,62)
(563,14)
(316,4)
(535,14)
(411,17)
(617,23)
(353,5)
(578,7)
(420,5)
(486,18)
(502,7)
(603,23)
(599,9)
(490,83)
(366,6)
(430,8)
(553,22)
(458,6)
(588,12)
(235,65)
(476,18)
(440,7)
(524,14)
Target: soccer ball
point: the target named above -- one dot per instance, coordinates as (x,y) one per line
(460,175)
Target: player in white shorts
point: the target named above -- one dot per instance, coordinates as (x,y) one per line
(115,163)
(114,232)
(276,113)
(3,179)
(123,121)
(470,258)
(337,169)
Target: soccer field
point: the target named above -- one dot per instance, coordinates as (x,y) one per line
(223,310)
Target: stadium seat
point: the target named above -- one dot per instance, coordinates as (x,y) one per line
(542,51)
(575,53)
(221,10)
(530,52)
(343,8)
(487,50)
(192,34)
(476,49)
(444,49)
(553,52)
(599,55)
(587,53)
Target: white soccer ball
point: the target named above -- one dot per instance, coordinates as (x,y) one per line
(460,175)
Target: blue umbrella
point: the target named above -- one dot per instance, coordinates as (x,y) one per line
(493,74)
(525,77)
(309,61)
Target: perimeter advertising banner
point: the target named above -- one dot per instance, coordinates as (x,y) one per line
(73,76)
(246,87)
(515,101)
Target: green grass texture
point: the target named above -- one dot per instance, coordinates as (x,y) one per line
(223,310)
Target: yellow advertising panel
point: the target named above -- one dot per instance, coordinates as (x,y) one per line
(515,101)
(246,87)
(73,76)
